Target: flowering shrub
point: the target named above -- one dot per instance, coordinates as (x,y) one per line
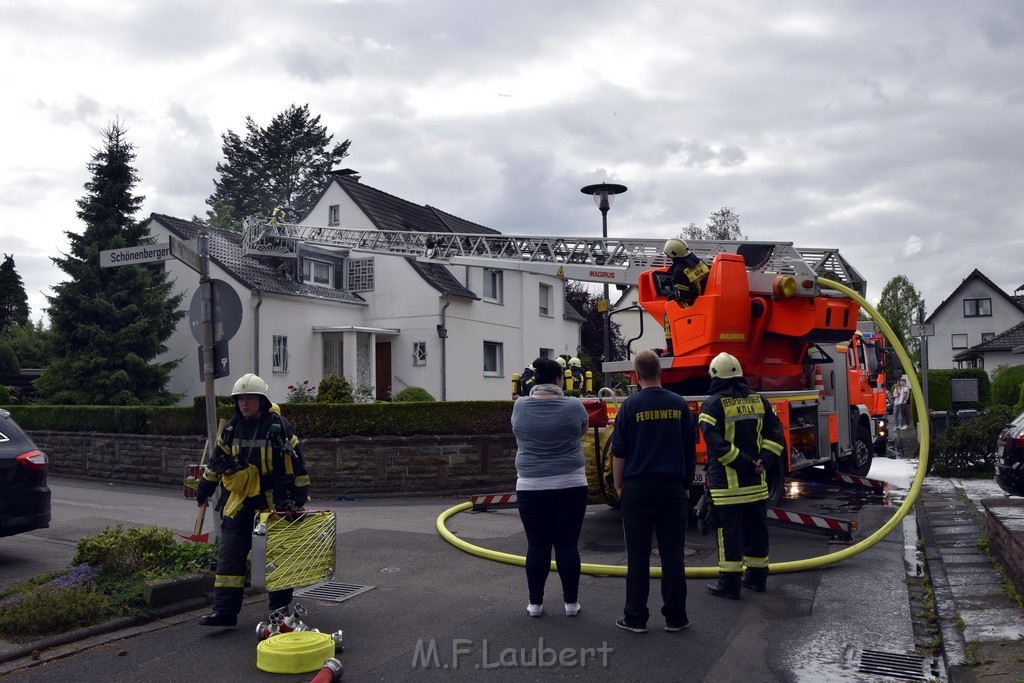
(302,393)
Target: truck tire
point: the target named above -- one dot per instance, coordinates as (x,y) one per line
(858,463)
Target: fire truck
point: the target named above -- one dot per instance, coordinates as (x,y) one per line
(798,341)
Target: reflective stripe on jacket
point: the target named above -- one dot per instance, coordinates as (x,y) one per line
(739,427)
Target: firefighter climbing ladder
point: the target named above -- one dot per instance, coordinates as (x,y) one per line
(615,261)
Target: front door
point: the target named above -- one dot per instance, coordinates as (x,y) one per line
(383,376)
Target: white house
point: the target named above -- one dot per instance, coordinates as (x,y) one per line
(384,322)
(969,320)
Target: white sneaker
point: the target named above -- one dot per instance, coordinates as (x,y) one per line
(572,609)
(534,610)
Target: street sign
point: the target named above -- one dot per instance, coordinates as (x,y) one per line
(186,254)
(922,330)
(226,311)
(133,256)
(221,366)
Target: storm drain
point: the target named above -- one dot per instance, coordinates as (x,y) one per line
(897,665)
(332,591)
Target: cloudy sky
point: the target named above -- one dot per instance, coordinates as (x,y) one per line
(891,130)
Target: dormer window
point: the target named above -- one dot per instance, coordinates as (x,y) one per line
(317,272)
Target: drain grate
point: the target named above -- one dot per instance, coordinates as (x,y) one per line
(898,665)
(332,591)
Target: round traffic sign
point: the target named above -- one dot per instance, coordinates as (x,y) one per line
(226,309)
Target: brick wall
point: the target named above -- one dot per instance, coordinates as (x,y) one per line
(353,465)
(1005,526)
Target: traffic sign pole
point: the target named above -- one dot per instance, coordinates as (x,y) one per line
(206,286)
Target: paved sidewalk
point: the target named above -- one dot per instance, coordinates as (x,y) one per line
(982,628)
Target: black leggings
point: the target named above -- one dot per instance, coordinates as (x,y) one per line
(553,518)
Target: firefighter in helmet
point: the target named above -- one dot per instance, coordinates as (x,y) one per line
(744,440)
(525,381)
(576,367)
(687,275)
(687,272)
(258,462)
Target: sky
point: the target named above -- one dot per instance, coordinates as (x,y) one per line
(889,130)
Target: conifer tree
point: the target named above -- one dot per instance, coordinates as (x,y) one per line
(108,324)
(284,164)
(13,300)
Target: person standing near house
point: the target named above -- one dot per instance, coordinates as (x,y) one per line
(551,488)
(901,402)
(654,447)
(744,439)
(259,462)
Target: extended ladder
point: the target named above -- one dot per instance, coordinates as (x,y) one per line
(587,259)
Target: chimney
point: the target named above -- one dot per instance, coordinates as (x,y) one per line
(345,173)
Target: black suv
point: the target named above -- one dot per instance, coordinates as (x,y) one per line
(1010,458)
(24,496)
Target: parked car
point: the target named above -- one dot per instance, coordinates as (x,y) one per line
(24,495)
(1010,458)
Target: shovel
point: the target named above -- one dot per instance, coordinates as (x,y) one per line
(197,533)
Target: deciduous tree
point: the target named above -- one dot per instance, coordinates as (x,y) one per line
(592,331)
(109,324)
(723,224)
(899,304)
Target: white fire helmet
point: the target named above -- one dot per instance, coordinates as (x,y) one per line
(725,366)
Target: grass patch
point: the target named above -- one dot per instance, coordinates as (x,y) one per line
(104,582)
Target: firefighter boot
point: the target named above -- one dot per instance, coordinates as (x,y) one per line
(218,619)
(755,579)
(727,586)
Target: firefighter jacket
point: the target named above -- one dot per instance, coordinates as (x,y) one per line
(688,274)
(259,462)
(739,427)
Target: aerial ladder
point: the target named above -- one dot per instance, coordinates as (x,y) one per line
(762,303)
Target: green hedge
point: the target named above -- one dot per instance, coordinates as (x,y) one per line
(1008,385)
(940,392)
(311,420)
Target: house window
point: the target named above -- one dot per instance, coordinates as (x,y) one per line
(974,308)
(547,353)
(492,285)
(360,274)
(987,336)
(545,300)
(959,341)
(280,346)
(419,354)
(334,214)
(494,362)
(317,272)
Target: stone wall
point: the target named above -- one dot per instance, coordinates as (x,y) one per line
(353,465)
(1005,527)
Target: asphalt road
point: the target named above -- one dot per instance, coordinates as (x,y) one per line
(435,612)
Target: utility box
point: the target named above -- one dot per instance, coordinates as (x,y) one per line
(964,390)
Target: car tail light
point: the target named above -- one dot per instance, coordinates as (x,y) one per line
(33,460)
(1019,441)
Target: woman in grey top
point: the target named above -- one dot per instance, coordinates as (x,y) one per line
(551,488)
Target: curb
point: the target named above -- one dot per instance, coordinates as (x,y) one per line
(109,627)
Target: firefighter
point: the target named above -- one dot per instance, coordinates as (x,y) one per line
(526,381)
(576,367)
(744,441)
(258,461)
(688,275)
(687,272)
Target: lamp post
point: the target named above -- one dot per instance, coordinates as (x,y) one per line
(604,195)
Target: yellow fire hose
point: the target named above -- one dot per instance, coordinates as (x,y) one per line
(776,567)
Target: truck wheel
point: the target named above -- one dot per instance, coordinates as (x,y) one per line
(859,461)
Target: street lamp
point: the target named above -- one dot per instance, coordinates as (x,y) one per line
(604,195)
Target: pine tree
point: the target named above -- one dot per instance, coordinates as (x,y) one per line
(108,324)
(13,300)
(284,164)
